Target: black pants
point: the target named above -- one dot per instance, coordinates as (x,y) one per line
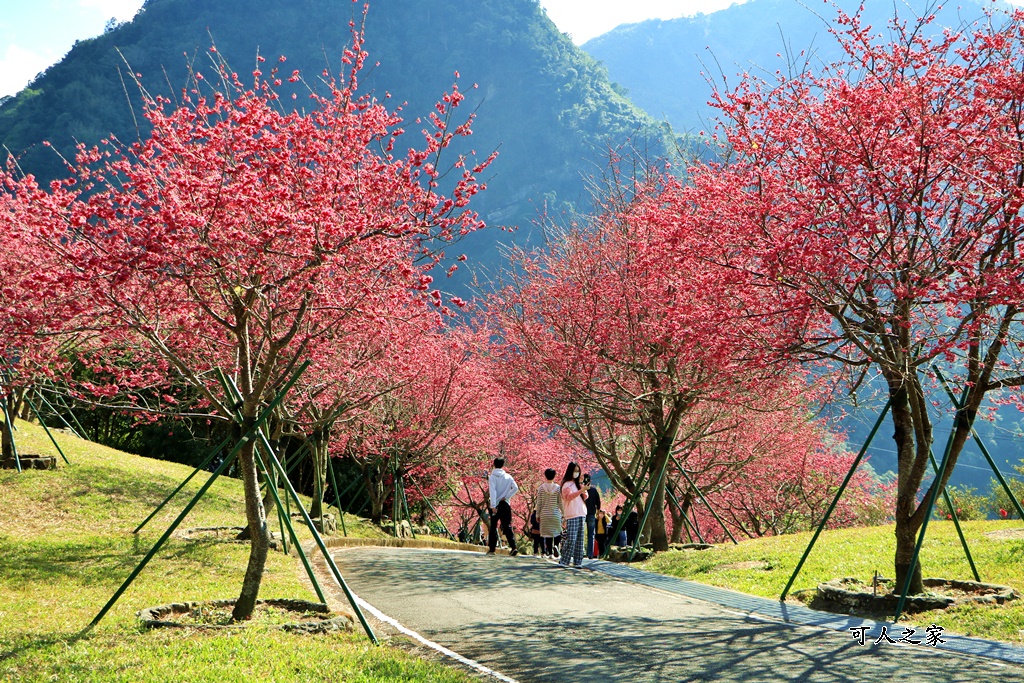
(502,515)
(538,544)
(550,545)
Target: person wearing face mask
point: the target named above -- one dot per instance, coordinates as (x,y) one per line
(574,496)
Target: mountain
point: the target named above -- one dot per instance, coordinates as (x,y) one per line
(665,65)
(547,106)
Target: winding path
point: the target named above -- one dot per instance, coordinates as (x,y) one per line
(534,621)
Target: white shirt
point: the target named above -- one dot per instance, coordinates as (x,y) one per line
(502,486)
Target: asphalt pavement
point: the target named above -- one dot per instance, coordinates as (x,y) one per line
(534,621)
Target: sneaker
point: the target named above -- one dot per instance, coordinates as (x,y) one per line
(513,552)
(490,552)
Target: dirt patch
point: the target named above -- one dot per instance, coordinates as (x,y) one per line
(752,564)
(299,616)
(1006,534)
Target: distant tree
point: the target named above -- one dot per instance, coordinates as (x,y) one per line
(37,308)
(622,330)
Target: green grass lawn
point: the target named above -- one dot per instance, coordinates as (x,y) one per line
(66,546)
(859,553)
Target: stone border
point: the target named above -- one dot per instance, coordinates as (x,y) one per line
(31,462)
(835,596)
(155,617)
(392,542)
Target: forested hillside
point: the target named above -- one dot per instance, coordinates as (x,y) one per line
(546,106)
(666,65)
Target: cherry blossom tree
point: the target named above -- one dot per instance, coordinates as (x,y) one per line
(434,397)
(37,310)
(624,327)
(885,192)
(240,232)
(769,469)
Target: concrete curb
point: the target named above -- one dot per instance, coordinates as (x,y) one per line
(345,542)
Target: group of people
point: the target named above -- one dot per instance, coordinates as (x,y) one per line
(566,522)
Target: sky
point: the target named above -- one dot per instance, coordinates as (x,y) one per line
(37,33)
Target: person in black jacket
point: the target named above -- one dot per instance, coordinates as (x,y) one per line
(632,527)
(619,539)
(593,505)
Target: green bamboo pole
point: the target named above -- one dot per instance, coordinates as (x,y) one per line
(167,534)
(9,426)
(647,510)
(291,528)
(203,466)
(629,505)
(305,515)
(405,502)
(984,449)
(247,436)
(272,487)
(39,394)
(84,433)
(686,522)
(337,495)
(429,505)
(835,500)
(704,500)
(956,520)
(46,429)
(281,525)
(323,548)
(927,515)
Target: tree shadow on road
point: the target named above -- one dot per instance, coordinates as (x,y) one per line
(590,627)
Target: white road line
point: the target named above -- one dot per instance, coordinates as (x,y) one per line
(429,643)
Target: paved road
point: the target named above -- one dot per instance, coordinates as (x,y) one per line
(534,621)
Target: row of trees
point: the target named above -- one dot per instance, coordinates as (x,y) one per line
(866,221)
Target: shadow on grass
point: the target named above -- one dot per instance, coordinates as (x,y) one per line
(102,560)
(146,493)
(33,642)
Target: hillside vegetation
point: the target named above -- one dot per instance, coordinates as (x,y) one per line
(667,66)
(66,546)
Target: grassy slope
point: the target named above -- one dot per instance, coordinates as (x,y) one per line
(66,546)
(859,553)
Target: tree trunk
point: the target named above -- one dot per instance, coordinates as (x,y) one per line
(259,536)
(375,491)
(655,528)
(7,440)
(679,519)
(908,484)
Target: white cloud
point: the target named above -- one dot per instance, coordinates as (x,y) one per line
(18,66)
(585,19)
